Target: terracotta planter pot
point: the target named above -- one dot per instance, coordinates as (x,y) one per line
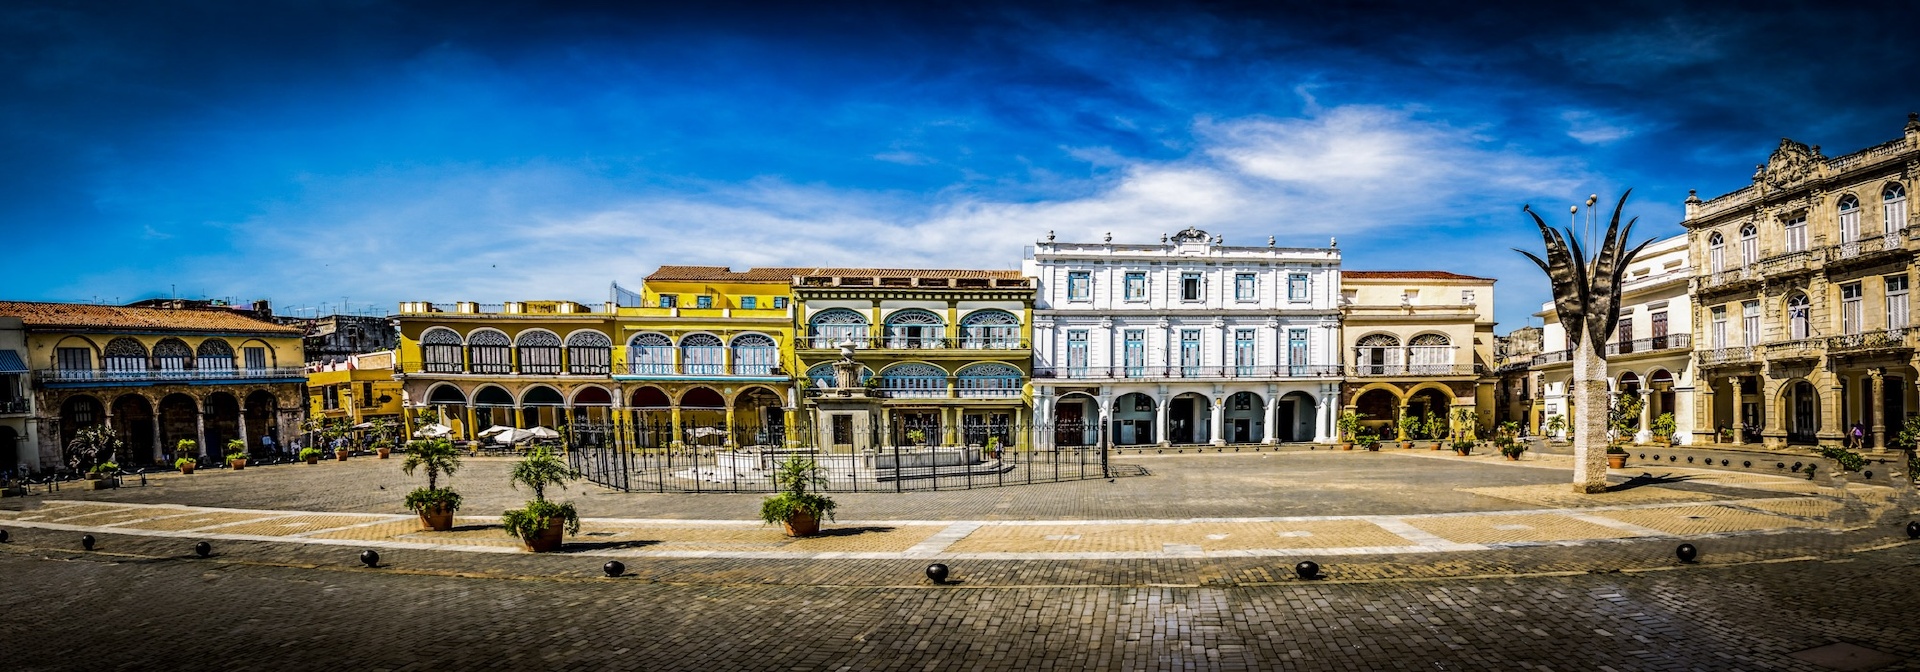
(106,483)
(237,464)
(186,469)
(1346,446)
(438,519)
(1436,445)
(340,455)
(1406,445)
(550,539)
(384,452)
(93,476)
(1616,461)
(803,525)
(313,460)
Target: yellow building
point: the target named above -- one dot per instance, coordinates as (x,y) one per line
(1421,342)
(356,390)
(696,358)
(159,374)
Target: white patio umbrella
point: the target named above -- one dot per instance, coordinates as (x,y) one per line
(496,429)
(433,431)
(544,433)
(512,436)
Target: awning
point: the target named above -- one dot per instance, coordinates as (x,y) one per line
(10,362)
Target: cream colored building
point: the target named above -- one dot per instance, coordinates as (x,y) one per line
(1803,290)
(1418,342)
(1651,351)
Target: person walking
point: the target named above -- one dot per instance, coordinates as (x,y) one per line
(1858,436)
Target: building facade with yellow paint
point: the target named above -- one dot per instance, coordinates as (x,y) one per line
(157,374)
(356,389)
(1421,342)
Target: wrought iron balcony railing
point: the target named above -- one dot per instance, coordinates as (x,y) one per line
(905,343)
(1867,246)
(13,406)
(1726,356)
(1263,371)
(165,376)
(1653,344)
(1889,339)
(1382,370)
(1797,349)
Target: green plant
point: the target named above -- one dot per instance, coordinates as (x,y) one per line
(1847,459)
(1664,425)
(1556,424)
(1410,425)
(916,437)
(428,499)
(1615,449)
(186,448)
(1366,438)
(1623,419)
(539,470)
(1909,434)
(796,476)
(1726,435)
(1463,446)
(309,453)
(1433,426)
(185,463)
(1463,422)
(88,445)
(1349,424)
(436,456)
(104,468)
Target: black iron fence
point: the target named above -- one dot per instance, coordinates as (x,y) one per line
(848,456)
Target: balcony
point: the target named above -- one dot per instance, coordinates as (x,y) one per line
(1555,357)
(1889,340)
(1404,370)
(1727,356)
(1867,249)
(63,377)
(14,406)
(1725,278)
(935,387)
(910,343)
(1791,262)
(1805,348)
(746,369)
(1654,344)
(1261,372)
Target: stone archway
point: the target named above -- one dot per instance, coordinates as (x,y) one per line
(179,420)
(1133,419)
(1189,418)
(1297,417)
(703,417)
(262,434)
(1245,418)
(759,418)
(1076,419)
(222,422)
(133,423)
(651,417)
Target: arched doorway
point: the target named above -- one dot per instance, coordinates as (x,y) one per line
(263,433)
(759,418)
(133,422)
(1296,417)
(1076,420)
(491,406)
(1246,418)
(223,422)
(703,417)
(1802,407)
(541,406)
(1660,396)
(1379,410)
(592,413)
(652,417)
(449,405)
(10,462)
(1189,417)
(1430,405)
(77,413)
(179,420)
(1133,416)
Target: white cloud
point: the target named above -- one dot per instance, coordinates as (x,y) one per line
(547,231)
(1592,129)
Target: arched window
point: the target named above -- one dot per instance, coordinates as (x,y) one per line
(539,352)
(821,376)
(1430,354)
(171,356)
(440,351)
(650,354)
(830,327)
(991,330)
(990,380)
(214,355)
(913,328)
(755,355)
(126,357)
(1716,253)
(589,353)
(702,355)
(913,380)
(1749,245)
(1849,219)
(1794,231)
(1893,201)
(1797,325)
(1378,355)
(1629,383)
(490,352)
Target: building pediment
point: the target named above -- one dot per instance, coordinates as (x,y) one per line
(1790,164)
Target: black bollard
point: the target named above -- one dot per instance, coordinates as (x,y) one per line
(1913,531)
(1686,553)
(1307,570)
(370,558)
(86,542)
(613,568)
(938,573)
(203,549)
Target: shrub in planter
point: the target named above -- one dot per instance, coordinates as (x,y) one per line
(236,454)
(434,503)
(1663,428)
(185,465)
(102,471)
(1463,447)
(541,523)
(1556,424)
(1616,457)
(88,444)
(1349,426)
(795,507)
(1410,427)
(310,454)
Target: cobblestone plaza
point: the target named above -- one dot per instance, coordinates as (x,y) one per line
(1460,563)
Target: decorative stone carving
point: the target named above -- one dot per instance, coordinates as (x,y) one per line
(1191,235)
(1790,163)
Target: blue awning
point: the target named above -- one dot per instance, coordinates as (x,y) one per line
(10,362)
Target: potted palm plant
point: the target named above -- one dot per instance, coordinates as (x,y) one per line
(795,507)
(1663,427)
(184,452)
(434,503)
(1409,426)
(1349,425)
(310,454)
(1508,439)
(541,524)
(382,432)
(1556,424)
(104,475)
(1435,428)
(1368,440)
(185,465)
(236,454)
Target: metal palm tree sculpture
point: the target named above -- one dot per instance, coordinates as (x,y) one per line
(1586,299)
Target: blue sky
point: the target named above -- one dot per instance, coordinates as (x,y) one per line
(310,152)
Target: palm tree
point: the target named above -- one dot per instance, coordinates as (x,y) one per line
(539,469)
(436,456)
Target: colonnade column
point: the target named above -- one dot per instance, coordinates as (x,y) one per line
(729,442)
(246,446)
(1218,421)
(1739,426)
(1876,382)
(676,441)
(1273,419)
(1703,413)
(200,421)
(159,452)
(1160,428)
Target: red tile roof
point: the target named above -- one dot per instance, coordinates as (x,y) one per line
(913,273)
(1407,275)
(726,274)
(38,315)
